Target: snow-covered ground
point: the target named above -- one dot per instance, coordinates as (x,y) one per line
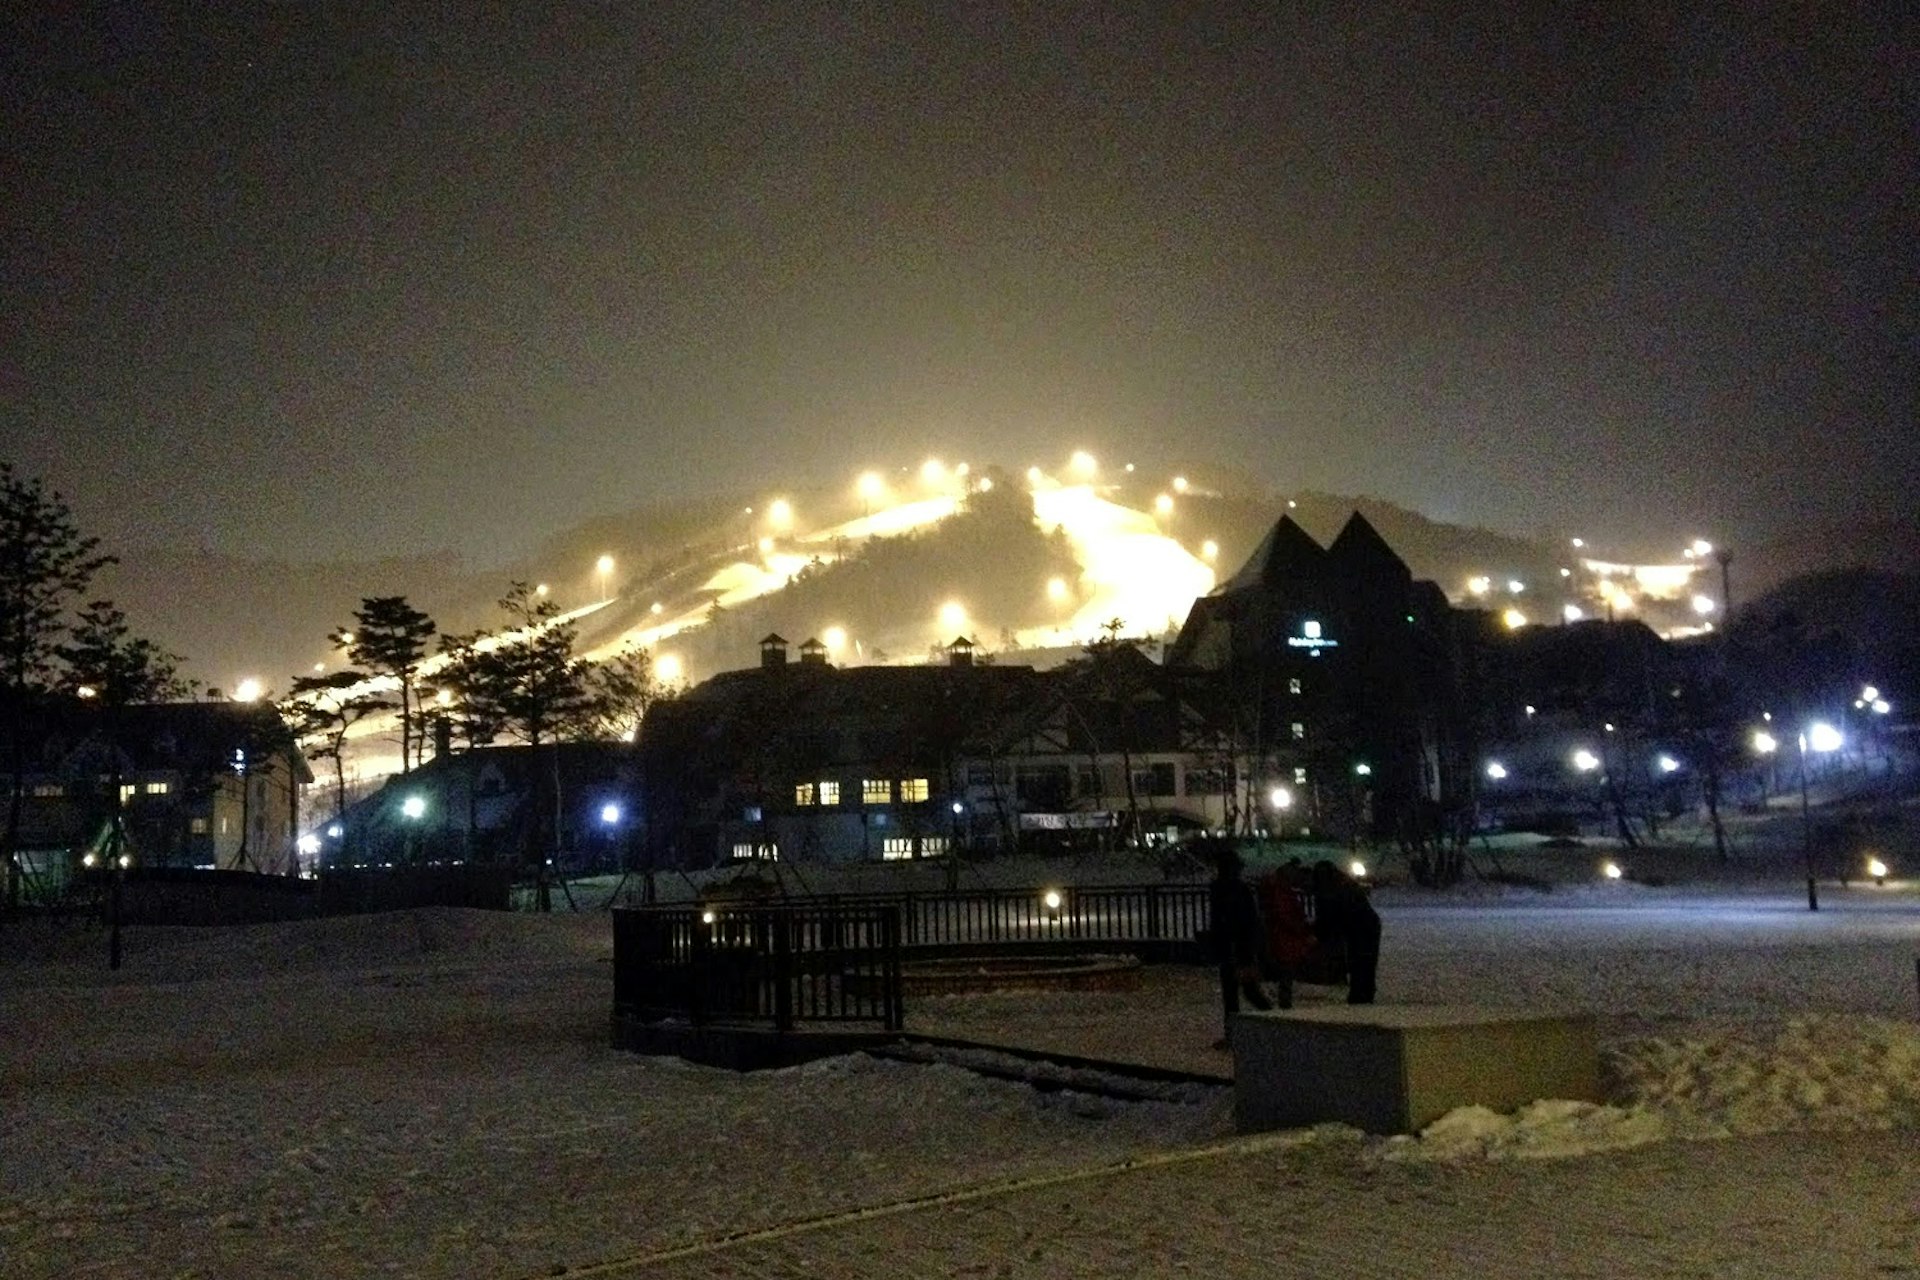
(431,1094)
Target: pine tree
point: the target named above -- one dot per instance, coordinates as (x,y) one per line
(324,709)
(389,638)
(45,563)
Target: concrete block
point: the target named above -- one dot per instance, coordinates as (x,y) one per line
(1398,1068)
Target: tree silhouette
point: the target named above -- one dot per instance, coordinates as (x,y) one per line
(324,710)
(45,563)
(389,638)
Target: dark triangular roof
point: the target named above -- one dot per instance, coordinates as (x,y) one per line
(1288,551)
(1361,547)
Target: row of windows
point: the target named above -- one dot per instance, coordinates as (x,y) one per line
(896,848)
(128,790)
(872,791)
(766,851)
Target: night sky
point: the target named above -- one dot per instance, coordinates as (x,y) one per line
(336,280)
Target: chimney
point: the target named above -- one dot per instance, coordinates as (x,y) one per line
(442,737)
(773,650)
(960,652)
(813,653)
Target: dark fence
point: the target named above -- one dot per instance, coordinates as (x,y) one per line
(782,964)
(1133,914)
(355,891)
(190,896)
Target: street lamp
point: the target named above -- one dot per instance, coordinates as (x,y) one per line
(1821,737)
(604,567)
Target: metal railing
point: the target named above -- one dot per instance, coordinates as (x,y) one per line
(781,964)
(836,958)
(1120,914)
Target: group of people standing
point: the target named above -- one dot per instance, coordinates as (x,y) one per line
(1262,931)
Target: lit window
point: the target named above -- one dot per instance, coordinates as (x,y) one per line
(126,791)
(198,826)
(49,790)
(895,848)
(1293,685)
(829,793)
(876,791)
(768,852)
(1299,775)
(1299,730)
(932,845)
(913,790)
(751,813)
(803,793)
(157,788)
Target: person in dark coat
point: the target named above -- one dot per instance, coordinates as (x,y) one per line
(1344,918)
(1237,935)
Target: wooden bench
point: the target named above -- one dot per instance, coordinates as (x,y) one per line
(1398,1068)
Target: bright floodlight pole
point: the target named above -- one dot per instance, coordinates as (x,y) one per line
(1806,830)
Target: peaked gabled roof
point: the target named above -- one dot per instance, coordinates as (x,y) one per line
(1287,551)
(1361,547)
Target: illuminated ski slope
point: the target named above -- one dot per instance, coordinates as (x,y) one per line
(1130,569)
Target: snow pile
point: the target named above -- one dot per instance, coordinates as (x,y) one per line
(1855,1073)
(1810,1072)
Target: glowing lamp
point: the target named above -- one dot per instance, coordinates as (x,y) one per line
(1611,870)
(1280,798)
(1877,869)
(414,806)
(1496,770)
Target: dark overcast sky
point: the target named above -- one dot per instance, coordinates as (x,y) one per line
(329,280)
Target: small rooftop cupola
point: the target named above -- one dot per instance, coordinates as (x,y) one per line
(812,653)
(773,650)
(960,652)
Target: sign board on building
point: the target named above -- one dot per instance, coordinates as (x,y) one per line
(1065,821)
